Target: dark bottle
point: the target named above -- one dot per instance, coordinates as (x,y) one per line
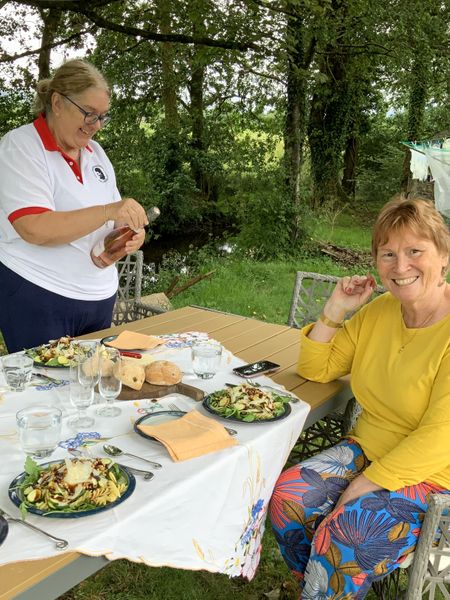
(112,247)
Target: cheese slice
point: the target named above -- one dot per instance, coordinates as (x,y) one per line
(77,472)
(131,340)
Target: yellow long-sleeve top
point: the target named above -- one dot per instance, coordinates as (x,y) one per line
(401,378)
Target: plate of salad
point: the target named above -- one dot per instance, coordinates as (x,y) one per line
(58,353)
(248,404)
(71,488)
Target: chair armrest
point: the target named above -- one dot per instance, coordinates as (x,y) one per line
(437,505)
(143,309)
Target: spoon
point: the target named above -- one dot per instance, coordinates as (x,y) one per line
(115,451)
(59,543)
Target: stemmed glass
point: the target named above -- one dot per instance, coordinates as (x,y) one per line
(81,391)
(90,357)
(110,383)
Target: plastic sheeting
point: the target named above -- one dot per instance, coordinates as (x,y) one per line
(439,163)
(419,165)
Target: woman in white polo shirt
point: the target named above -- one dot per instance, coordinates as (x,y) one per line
(58,197)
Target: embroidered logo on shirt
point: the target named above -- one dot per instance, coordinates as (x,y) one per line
(100,173)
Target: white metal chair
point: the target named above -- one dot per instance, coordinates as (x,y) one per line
(128,306)
(429,566)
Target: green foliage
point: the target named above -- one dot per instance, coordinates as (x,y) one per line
(14,109)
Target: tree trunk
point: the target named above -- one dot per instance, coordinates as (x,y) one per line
(350,162)
(51,19)
(196,106)
(416,110)
(298,61)
(295,126)
(328,130)
(169,86)
(169,94)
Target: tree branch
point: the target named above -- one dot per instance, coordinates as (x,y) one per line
(4,58)
(82,8)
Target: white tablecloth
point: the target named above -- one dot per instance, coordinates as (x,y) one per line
(205,513)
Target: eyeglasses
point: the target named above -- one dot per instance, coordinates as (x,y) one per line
(90,118)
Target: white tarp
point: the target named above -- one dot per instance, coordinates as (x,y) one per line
(419,165)
(439,163)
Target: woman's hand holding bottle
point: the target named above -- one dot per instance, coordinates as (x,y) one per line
(127,212)
(126,238)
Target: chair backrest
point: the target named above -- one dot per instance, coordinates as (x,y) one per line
(130,286)
(311,291)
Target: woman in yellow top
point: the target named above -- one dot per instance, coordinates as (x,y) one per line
(351,514)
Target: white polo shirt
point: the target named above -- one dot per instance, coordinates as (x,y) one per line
(37,176)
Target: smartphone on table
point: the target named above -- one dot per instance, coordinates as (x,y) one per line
(256,368)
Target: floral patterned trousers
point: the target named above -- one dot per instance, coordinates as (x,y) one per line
(338,557)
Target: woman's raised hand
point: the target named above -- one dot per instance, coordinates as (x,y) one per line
(128,212)
(349,294)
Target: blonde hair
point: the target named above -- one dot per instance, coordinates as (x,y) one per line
(416,214)
(72,78)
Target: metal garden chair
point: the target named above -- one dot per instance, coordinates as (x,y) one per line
(129,306)
(429,566)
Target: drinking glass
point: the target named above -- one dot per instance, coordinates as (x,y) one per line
(206,358)
(110,384)
(90,358)
(39,429)
(17,369)
(81,392)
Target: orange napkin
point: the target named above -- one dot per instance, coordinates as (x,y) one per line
(190,436)
(130,340)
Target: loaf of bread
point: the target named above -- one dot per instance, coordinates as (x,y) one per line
(163,372)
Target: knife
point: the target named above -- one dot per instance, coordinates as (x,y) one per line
(130,354)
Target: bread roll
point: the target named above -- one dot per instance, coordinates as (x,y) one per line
(163,372)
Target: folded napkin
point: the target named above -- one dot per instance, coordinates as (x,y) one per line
(130,340)
(190,436)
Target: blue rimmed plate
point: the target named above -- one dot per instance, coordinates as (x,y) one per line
(207,404)
(3,529)
(16,497)
(155,418)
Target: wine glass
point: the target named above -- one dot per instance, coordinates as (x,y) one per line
(110,383)
(81,393)
(90,358)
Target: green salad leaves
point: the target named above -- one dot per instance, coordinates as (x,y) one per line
(247,403)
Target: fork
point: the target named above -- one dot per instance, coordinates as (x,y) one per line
(48,378)
(280,392)
(59,543)
(175,407)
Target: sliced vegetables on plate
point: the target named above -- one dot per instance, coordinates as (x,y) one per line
(71,488)
(57,353)
(248,404)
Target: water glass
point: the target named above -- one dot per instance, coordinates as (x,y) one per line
(39,429)
(81,393)
(90,357)
(110,382)
(206,358)
(17,369)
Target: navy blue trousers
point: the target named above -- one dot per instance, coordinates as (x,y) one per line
(31,315)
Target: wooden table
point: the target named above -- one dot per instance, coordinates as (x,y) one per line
(247,338)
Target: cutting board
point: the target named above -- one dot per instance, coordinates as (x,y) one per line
(149,390)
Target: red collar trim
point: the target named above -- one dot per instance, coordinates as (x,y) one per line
(46,135)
